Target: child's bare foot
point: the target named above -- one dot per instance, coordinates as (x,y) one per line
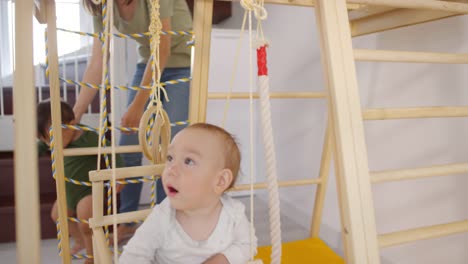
(79,245)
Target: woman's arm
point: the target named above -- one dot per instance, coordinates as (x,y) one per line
(135,110)
(92,74)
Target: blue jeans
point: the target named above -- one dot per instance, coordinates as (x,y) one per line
(176,108)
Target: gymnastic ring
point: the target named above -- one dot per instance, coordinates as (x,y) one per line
(160,134)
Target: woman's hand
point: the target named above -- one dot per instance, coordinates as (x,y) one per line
(132,117)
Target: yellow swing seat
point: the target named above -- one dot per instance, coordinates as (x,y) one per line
(311,250)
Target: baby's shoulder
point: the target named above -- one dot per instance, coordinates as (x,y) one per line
(233,207)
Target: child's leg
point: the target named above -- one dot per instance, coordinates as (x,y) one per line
(72,230)
(84,210)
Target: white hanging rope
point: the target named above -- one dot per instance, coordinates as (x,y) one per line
(268,142)
(113,156)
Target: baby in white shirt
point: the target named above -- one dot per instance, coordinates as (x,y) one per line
(197,223)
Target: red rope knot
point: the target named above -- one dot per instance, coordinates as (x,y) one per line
(262,61)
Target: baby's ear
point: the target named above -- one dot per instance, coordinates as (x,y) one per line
(223,181)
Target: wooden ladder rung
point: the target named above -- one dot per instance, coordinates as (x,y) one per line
(417,173)
(417,4)
(276,95)
(128,172)
(415,112)
(401,237)
(263,185)
(121,218)
(410,56)
(106,150)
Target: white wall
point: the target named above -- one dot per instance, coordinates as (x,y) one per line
(294,62)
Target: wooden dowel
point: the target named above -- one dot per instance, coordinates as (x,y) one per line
(263,185)
(277,95)
(401,237)
(417,4)
(417,112)
(410,56)
(56,127)
(94,151)
(128,172)
(416,173)
(107,220)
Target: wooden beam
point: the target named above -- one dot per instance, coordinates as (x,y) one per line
(366,11)
(307,3)
(40,11)
(202,18)
(396,18)
(321,190)
(418,4)
(28,223)
(350,150)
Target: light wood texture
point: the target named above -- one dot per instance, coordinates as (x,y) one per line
(98,201)
(263,185)
(40,11)
(351,156)
(275,95)
(94,150)
(410,56)
(108,220)
(322,187)
(103,253)
(202,18)
(401,237)
(309,3)
(417,173)
(393,19)
(368,11)
(418,4)
(28,238)
(56,126)
(416,112)
(127,172)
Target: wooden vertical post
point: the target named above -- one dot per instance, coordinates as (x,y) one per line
(26,162)
(56,126)
(202,19)
(322,186)
(350,149)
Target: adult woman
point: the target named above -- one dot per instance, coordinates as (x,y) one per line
(133,16)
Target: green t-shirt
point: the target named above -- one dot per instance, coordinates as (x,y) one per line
(181,19)
(78,167)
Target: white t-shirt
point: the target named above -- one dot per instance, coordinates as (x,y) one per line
(161,239)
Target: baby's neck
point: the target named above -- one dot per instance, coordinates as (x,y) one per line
(200,223)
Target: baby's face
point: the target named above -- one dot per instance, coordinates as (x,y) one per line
(194,161)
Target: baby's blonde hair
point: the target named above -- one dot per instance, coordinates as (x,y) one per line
(232,156)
